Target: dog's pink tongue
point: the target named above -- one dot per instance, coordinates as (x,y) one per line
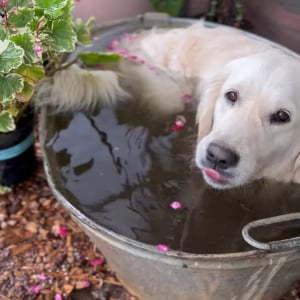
(213,174)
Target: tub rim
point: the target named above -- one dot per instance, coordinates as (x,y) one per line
(149,20)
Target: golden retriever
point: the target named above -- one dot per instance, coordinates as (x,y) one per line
(247,94)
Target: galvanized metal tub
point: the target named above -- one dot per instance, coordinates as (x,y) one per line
(172,275)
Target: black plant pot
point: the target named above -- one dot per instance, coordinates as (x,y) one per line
(17,155)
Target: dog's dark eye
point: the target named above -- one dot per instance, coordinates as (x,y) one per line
(231,96)
(281,116)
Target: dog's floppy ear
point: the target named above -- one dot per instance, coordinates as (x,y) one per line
(208,92)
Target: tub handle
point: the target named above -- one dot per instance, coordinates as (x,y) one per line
(284,244)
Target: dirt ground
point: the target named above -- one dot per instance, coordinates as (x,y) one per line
(44,255)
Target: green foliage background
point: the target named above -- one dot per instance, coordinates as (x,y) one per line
(172,7)
(35,35)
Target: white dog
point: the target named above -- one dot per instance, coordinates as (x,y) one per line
(247,94)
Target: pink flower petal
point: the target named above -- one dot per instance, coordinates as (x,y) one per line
(179,123)
(62,231)
(37,48)
(177,126)
(152,68)
(114,43)
(133,57)
(175,205)
(85,283)
(109,48)
(187,99)
(3,3)
(42,277)
(58,297)
(162,247)
(35,289)
(97,261)
(128,36)
(122,52)
(82,284)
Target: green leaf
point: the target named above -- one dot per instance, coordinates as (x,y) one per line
(25,41)
(26,94)
(66,11)
(3,33)
(39,12)
(21,18)
(10,85)
(6,122)
(3,46)
(63,36)
(172,7)
(54,8)
(92,58)
(32,74)
(17,3)
(11,58)
(82,32)
(50,4)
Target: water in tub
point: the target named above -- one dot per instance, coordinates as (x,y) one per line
(134,174)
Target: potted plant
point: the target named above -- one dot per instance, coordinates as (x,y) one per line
(35,36)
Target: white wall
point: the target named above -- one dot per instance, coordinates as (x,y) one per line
(104,10)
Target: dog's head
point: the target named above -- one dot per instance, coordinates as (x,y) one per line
(249,121)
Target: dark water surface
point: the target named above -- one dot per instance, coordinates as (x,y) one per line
(123,169)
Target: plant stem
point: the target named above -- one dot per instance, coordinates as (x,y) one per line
(70,63)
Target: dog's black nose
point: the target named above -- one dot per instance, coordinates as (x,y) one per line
(221,157)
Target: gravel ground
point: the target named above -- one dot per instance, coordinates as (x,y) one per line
(44,255)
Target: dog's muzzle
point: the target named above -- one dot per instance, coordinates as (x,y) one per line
(219,157)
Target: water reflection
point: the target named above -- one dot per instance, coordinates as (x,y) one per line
(123,169)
